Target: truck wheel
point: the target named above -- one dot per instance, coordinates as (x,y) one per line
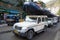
(30,34)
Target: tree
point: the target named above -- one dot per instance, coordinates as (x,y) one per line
(58,12)
(20,2)
(31,0)
(0,0)
(42,4)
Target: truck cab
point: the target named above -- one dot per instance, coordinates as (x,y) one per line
(32,24)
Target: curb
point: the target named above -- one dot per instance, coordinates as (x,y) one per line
(3,25)
(5,31)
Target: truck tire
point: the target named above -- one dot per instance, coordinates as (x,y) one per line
(30,34)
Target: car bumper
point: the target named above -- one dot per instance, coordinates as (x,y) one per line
(19,33)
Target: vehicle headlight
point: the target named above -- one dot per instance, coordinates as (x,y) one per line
(24,29)
(19,28)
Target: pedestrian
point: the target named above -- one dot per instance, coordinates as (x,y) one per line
(5,16)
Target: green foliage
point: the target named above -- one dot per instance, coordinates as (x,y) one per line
(32,0)
(42,4)
(58,12)
(0,0)
(21,2)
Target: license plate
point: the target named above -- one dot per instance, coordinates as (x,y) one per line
(10,20)
(16,31)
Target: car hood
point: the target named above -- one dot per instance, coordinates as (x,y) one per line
(25,24)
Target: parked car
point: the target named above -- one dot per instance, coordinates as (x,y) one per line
(11,19)
(50,22)
(31,25)
(55,20)
(2,22)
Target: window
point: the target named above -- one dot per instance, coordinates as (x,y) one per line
(39,20)
(33,18)
(46,19)
(43,20)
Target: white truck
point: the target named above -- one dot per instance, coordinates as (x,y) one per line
(50,22)
(32,24)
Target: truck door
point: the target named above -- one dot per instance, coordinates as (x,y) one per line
(46,21)
(39,24)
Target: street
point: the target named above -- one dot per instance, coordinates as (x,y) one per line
(48,35)
(25,17)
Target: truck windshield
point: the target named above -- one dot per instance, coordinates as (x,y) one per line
(31,19)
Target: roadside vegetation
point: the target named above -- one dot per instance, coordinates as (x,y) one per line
(58,12)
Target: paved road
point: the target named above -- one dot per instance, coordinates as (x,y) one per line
(48,35)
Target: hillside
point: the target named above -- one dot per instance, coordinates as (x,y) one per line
(53,3)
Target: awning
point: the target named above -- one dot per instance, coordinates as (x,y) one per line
(12,11)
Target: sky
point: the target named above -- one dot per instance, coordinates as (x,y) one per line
(45,1)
